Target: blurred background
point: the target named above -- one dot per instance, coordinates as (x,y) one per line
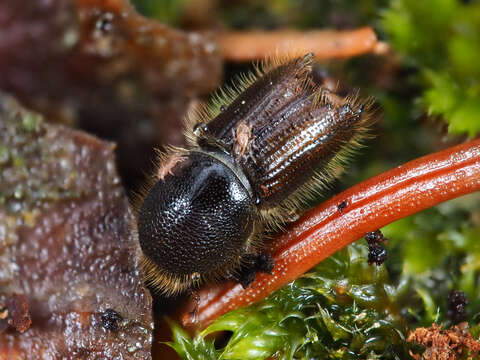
(100,67)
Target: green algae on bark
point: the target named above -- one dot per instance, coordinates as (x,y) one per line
(67,246)
(38,163)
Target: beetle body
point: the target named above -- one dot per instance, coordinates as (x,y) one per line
(255,158)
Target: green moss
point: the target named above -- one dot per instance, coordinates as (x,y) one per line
(346,309)
(166,11)
(31,121)
(441,39)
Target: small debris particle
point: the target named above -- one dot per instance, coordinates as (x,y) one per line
(110,319)
(265,190)
(167,166)
(375,237)
(377,254)
(456,304)
(376,251)
(15,313)
(3,313)
(450,344)
(242,139)
(342,206)
(104,23)
(30,121)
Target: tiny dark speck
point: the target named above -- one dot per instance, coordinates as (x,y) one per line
(110,319)
(342,206)
(375,237)
(104,25)
(377,254)
(456,306)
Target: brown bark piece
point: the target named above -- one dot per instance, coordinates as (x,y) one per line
(101,66)
(67,244)
(14,312)
(451,344)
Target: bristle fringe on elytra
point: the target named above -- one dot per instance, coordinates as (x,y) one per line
(303,60)
(223,97)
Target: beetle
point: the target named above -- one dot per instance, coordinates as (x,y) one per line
(255,158)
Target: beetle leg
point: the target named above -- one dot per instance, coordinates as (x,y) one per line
(251,264)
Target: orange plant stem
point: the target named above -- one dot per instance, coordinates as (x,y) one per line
(325,44)
(397,193)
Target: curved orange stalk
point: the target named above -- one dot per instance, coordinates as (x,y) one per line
(325,44)
(372,204)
